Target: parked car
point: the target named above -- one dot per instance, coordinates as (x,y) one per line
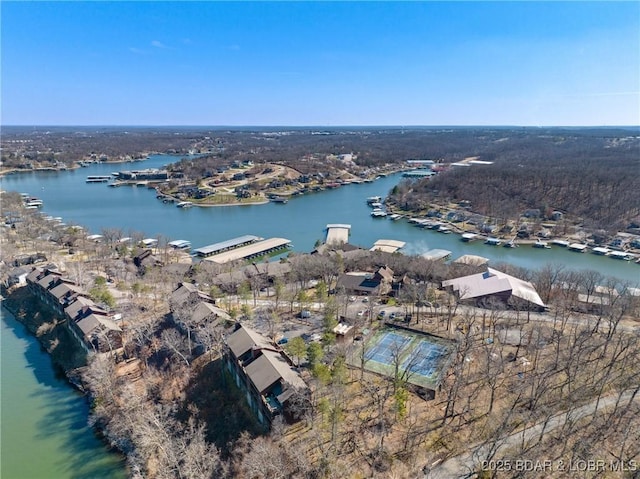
(283,341)
(305,314)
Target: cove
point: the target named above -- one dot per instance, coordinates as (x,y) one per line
(43,420)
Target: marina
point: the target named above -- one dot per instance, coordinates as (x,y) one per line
(135,210)
(254,250)
(226,245)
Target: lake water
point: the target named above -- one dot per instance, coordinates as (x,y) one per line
(43,419)
(302,220)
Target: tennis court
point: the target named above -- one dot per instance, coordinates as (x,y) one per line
(422,357)
(388,348)
(425,359)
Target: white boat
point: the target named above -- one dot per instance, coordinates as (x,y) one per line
(374,199)
(493,241)
(620,255)
(98,179)
(185,204)
(395,217)
(510,244)
(468,237)
(541,244)
(444,229)
(378,213)
(376,205)
(601,251)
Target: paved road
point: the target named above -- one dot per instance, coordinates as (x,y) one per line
(461,466)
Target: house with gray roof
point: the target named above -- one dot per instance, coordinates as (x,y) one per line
(265,373)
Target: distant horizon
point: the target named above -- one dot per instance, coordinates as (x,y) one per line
(391,126)
(483,63)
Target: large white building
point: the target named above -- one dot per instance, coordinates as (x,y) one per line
(494,283)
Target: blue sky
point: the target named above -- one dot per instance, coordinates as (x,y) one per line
(325,63)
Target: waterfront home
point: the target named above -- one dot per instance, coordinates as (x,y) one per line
(92,326)
(494,284)
(188,292)
(265,374)
(377,283)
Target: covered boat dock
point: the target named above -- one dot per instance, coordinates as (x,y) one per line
(337,233)
(228,245)
(250,251)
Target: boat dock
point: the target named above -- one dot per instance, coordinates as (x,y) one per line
(436,254)
(180,244)
(388,246)
(251,251)
(577,247)
(98,179)
(228,245)
(337,233)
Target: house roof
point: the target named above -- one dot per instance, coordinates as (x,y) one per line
(269,368)
(93,322)
(204,310)
(35,273)
(64,289)
(358,282)
(386,273)
(48,280)
(245,339)
(185,290)
(78,305)
(493,282)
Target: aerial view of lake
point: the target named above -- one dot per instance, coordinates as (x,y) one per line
(302,220)
(43,417)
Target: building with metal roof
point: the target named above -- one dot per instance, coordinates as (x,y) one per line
(226,245)
(388,246)
(494,283)
(252,250)
(337,233)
